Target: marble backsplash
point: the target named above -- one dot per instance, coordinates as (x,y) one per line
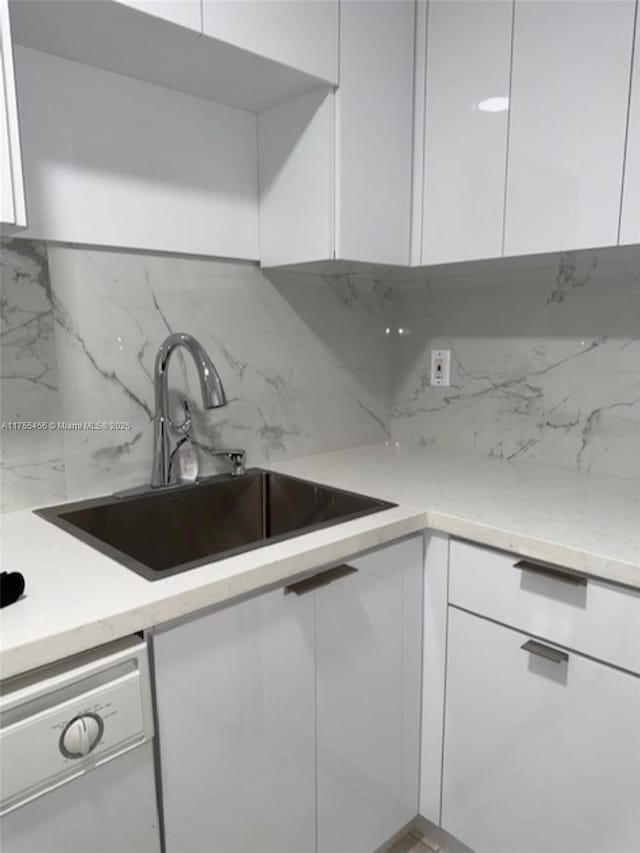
(304,359)
(545,360)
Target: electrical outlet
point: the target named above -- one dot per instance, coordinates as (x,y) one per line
(440,366)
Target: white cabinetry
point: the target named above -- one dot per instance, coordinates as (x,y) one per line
(568,609)
(540,755)
(12,202)
(235,701)
(521,119)
(369,634)
(338,165)
(630,220)
(569,100)
(297,179)
(296,697)
(139,38)
(541,732)
(434,660)
(374,131)
(468,59)
(114,161)
(302,34)
(186,13)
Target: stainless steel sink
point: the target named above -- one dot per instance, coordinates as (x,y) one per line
(166,531)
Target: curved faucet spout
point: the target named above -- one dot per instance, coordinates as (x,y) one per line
(213,396)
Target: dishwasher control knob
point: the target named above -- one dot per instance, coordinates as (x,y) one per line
(81,735)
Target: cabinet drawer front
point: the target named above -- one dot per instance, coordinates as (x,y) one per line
(541,756)
(592,617)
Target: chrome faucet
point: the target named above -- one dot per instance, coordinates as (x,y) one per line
(213,397)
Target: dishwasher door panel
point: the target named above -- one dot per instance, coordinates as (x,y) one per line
(111,809)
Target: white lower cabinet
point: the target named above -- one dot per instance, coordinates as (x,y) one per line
(541,756)
(289,723)
(369,634)
(235,705)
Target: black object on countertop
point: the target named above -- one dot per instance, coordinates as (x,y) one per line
(11,587)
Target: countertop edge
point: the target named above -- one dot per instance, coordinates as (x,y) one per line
(268,575)
(596,566)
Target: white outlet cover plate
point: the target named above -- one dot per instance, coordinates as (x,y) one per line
(441,367)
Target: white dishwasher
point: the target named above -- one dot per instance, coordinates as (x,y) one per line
(76,756)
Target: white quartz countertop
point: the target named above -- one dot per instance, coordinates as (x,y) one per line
(78,598)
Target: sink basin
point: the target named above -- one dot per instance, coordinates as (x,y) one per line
(163,532)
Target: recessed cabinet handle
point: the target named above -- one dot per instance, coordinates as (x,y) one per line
(321,579)
(551,572)
(543,651)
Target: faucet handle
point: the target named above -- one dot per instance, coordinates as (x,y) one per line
(187,423)
(238,461)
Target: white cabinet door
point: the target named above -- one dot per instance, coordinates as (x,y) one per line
(540,757)
(466,113)
(300,33)
(569,98)
(369,634)
(630,220)
(434,667)
(7,207)
(235,701)
(296,179)
(374,132)
(335,169)
(136,166)
(12,201)
(186,13)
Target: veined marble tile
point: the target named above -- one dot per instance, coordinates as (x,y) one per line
(305,362)
(545,362)
(30,459)
(545,367)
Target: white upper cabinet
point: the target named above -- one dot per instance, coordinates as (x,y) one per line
(296,179)
(338,165)
(630,220)
(568,118)
(244,64)
(113,161)
(468,55)
(186,13)
(300,33)
(13,214)
(374,107)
